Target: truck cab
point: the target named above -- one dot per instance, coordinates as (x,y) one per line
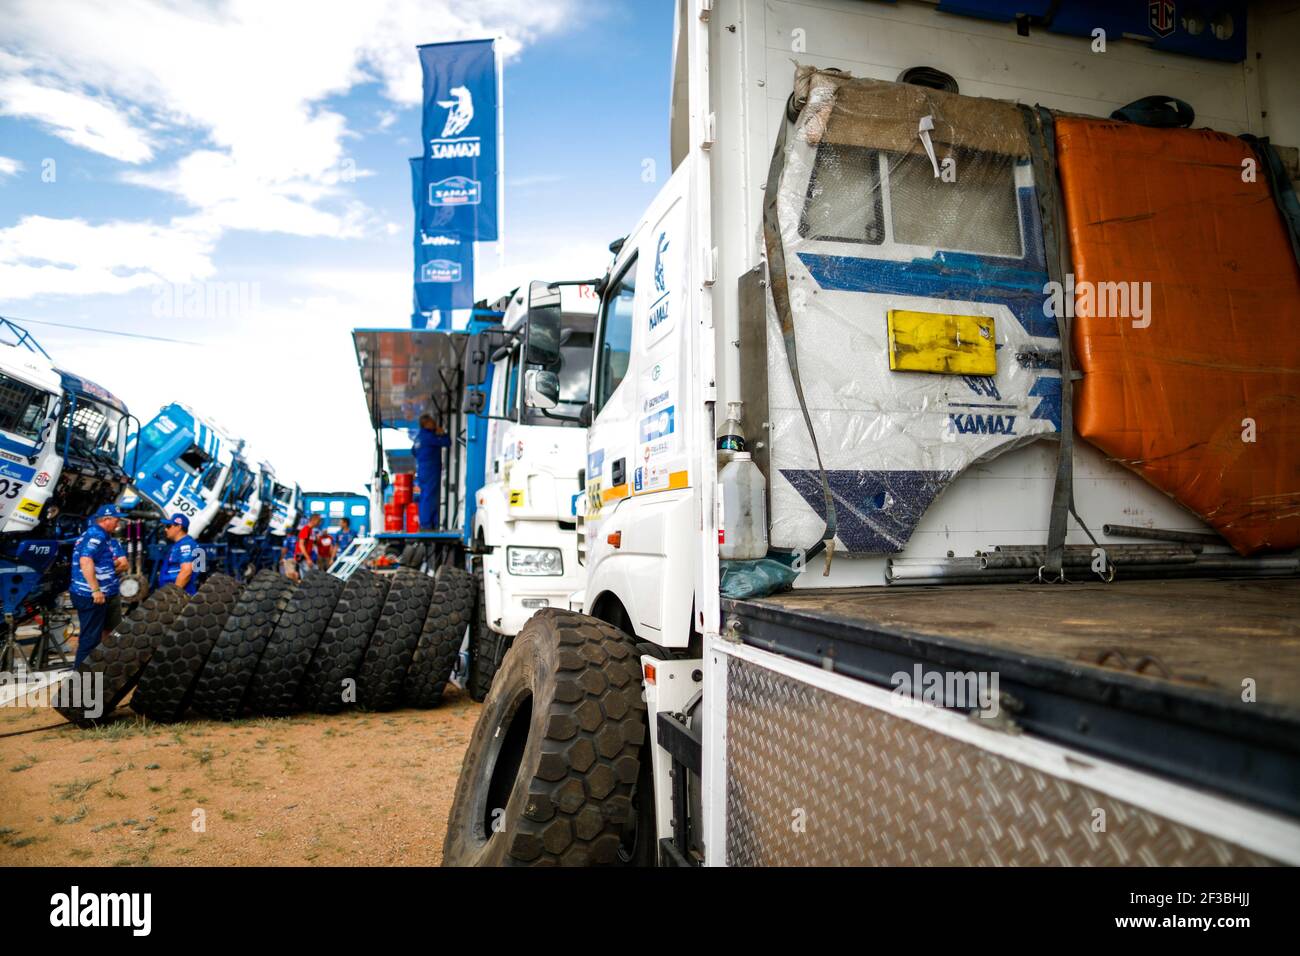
(286,507)
(525,540)
(62,444)
(183,464)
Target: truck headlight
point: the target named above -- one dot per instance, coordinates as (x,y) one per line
(534,562)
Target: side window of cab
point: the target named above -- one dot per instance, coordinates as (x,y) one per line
(614,345)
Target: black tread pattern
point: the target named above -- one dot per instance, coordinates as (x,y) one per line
(485,644)
(273,691)
(582,759)
(219,691)
(166,682)
(440,639)
(383,668)
(122,655)
(343,644)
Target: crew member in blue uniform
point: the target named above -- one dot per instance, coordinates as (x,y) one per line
(94,585)
(345,536)
(178,564)
(427,447)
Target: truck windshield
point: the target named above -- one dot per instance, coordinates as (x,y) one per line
(283,493)
(23,408)
(575,379)
(93,430)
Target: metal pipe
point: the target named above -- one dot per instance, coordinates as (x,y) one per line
(1156,534)
(1118,555)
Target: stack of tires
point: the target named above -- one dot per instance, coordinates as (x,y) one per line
(275,647)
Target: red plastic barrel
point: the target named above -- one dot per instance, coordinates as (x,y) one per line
(402,485)
(412,517)
(392,517)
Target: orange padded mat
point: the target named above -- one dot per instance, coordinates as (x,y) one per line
(1169,207)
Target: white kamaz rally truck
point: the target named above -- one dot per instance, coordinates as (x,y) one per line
(1016,354)
(525,543)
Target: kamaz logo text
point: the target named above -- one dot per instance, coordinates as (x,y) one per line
(982,424)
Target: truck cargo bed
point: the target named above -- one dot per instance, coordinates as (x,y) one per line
(1147,673)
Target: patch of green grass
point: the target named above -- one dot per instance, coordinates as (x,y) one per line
(122,729)
(229,815)
(74,790)
(79,853)
(153,766)
(28,761)
(153,789)
(103,826)
(25,841)
(73,818)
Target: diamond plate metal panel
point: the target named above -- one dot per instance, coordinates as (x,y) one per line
(814,779)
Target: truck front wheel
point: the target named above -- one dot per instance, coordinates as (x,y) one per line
(486,646)
(552,769)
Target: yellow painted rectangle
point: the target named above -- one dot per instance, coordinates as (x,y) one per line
(517,498)
(29,507)
(937,342)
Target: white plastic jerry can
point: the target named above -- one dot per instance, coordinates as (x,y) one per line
(743,535)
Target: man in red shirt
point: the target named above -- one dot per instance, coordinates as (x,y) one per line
(304,554)
(325,549)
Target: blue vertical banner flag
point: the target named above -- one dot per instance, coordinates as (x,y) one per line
(444,274)
(461,127)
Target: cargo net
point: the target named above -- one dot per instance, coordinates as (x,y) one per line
(914,254)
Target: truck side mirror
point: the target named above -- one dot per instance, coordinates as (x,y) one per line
(541,388)
(474,401)
(584,419)
(476,359)
(542,336)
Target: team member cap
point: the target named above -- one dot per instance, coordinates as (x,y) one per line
(107,511)
(181,520)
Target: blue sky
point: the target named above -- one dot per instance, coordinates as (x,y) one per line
(195,146)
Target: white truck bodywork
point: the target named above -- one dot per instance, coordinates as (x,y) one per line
(530,494)
(651,520)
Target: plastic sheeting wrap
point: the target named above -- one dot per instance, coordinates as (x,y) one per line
(1191,327)
(869,229)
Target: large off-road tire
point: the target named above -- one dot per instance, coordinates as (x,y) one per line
(487,648)
(168,679)
(552,766)
(383,668)
(440,640)
(338,655)
(220,689)
(120,656)
(273,691)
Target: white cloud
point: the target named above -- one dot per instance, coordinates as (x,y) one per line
(253,85)
(89,122)
(9,167)
(41,256)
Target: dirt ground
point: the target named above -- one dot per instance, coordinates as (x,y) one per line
(352,789)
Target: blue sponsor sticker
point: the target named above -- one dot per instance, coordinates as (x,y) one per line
(595,463)
(658,425)
(15,471)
